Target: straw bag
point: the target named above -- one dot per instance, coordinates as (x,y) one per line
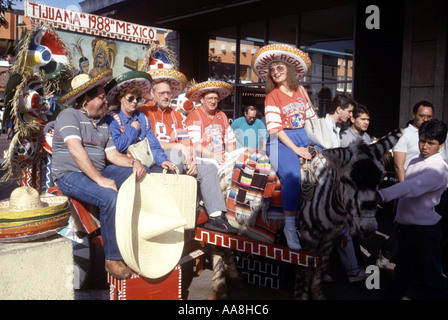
(151,217)
(142,151)
(316,128)
(317,131)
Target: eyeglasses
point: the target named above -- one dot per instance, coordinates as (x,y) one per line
(164,93)
(131,99)
(278,68)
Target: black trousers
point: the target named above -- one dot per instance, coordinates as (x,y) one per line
(419,246)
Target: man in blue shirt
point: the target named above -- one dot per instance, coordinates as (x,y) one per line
(250,131)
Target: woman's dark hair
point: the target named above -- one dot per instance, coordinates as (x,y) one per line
(433,130)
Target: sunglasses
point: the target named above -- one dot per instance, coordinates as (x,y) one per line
(278,68)
(134,98)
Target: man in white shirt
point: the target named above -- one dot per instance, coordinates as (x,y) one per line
(418,222)
(406,148)
(341,109)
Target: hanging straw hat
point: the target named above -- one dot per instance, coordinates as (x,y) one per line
(29,216)
(197,91)
(280,53)
(150,221)
(139,78)
(83,83)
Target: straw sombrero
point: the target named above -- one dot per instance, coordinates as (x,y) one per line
(150,221)
(28,216)
(177,79)
(197,91)
(83,83)
(139,78)
(282,53)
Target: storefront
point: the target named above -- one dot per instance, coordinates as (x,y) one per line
(374,50)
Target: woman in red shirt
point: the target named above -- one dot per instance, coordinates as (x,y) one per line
(286,109)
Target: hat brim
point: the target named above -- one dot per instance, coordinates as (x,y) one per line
(100,80)
(139,78)
(196,92)
(155,257)
(177,79)
(280,53)
(28,225)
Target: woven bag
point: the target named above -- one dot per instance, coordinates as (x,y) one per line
(142,152)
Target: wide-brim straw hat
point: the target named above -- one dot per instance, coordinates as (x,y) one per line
(177,79)
(138,78)
(280,53)
(29,216)
(151,217)
(83,83)
(196,92)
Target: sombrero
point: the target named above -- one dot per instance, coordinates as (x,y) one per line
(139,78)
(177,79)
(197,91)
(83,83)
(28,216)
(282,53)
(150,221)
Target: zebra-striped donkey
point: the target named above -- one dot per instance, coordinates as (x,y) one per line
(347,179)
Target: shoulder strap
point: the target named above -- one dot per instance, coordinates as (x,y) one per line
(305,93)
(115,115)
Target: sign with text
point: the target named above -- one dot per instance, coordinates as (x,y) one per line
(89,24)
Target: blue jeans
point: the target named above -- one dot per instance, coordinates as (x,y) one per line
(77,185)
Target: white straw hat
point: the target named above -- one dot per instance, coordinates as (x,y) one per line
(150,220)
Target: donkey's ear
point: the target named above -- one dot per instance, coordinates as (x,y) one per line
(384,144)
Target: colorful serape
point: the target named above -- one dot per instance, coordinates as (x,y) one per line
(253,183)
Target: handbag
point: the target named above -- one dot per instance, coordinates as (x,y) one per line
(316,128)
(142,151)
(317,131)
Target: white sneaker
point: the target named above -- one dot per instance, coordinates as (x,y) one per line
(292,238)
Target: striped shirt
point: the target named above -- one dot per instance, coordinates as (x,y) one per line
(167,124)
(214,134)
(285,112)
(76,124)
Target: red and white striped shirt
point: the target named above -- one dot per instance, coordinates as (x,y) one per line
(214,134)
(285,112)
(167,124)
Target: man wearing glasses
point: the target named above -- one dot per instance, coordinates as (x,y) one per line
(85,163)
(175,140)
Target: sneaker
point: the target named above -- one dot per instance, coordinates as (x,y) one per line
(292,238)
(220,224)
(384,264)
(356,275)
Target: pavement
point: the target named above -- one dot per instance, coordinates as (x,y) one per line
(198,286)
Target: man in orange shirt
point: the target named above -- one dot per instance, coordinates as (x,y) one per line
(209,127)
(174,139)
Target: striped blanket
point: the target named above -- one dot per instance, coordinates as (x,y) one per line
(249,199)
